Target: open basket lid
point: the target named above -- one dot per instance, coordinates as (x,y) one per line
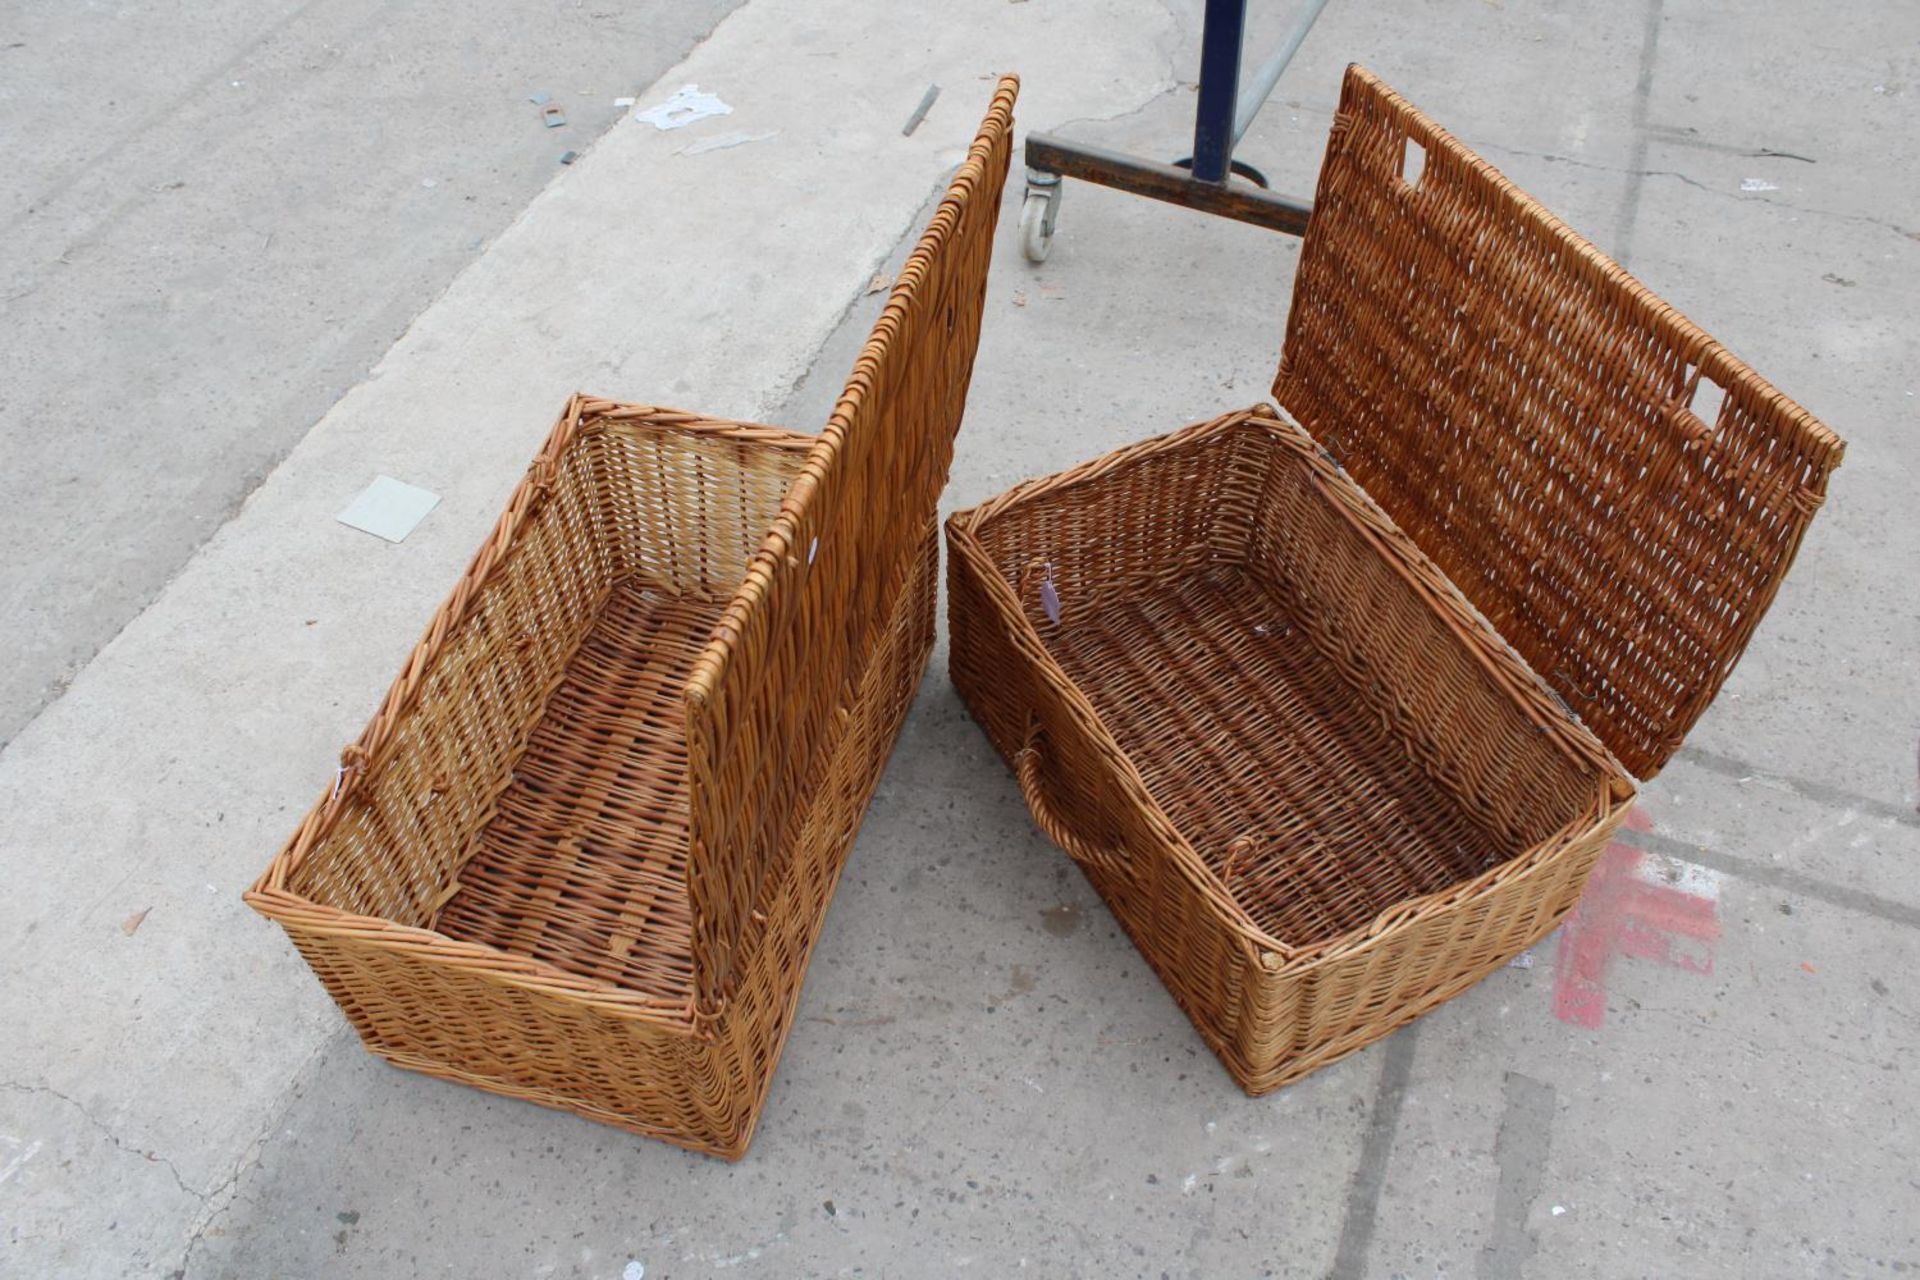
(1539,423)
(780,681)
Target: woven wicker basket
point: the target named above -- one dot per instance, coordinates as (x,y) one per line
(582,853)
(1279,688)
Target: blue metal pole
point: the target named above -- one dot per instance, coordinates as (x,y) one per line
(1213,132)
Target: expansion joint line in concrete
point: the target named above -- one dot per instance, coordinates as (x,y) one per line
(1370,1175)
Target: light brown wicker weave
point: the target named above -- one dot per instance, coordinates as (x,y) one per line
(1313,779)
(582,853)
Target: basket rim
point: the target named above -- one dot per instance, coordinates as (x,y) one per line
(294,911)
(582,417)
(1613,790)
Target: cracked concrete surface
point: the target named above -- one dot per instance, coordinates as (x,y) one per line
(113,1139)
(975,1025)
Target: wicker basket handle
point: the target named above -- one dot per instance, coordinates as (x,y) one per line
(1027,766)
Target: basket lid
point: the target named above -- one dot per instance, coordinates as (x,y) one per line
(1541,425)
(789,676)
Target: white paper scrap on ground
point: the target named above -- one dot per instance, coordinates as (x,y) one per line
(1758,184)
(389,508)
(687,105)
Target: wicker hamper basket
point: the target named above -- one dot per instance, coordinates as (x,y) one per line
(583,851)
(1296,697)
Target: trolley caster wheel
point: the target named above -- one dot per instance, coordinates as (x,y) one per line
(1036,224)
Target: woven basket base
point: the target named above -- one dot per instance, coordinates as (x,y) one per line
(584,865)
(1244,730)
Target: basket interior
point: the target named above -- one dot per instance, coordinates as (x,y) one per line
(1242,726)
(1319,731)
(584,864)
(534,797)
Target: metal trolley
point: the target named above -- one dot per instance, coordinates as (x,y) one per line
(1200,180)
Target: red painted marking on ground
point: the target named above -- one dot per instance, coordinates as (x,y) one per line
(1625,913)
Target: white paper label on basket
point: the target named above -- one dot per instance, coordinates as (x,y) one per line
(389,509)
(1050,601)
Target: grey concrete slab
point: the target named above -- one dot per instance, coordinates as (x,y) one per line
(217,217)
(1742,1122)
(984,1078)
(1727,813)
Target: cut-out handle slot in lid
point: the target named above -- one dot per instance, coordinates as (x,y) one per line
(1413,162)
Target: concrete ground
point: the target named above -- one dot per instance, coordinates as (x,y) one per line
(985,1078)
(218,216)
